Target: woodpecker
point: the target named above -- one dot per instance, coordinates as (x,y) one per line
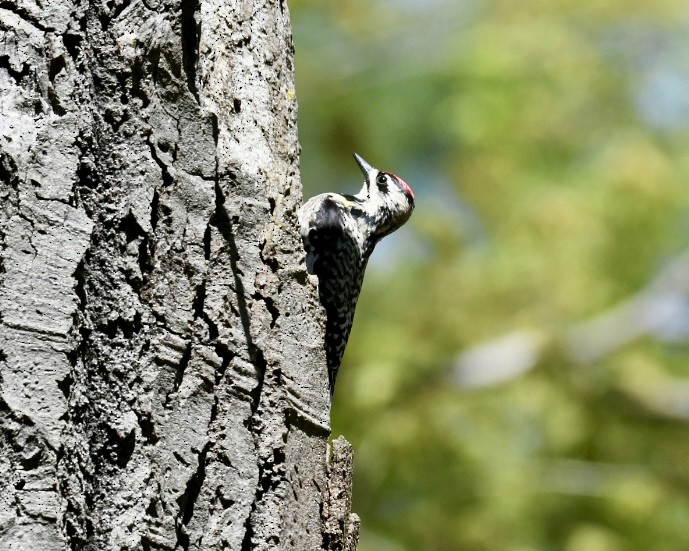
(339,233)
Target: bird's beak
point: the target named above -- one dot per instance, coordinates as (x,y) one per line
(363,165)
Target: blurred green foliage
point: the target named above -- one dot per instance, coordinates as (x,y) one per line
(518,373)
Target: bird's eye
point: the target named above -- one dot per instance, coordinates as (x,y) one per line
(382,182)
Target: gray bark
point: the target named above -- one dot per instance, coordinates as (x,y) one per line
(162,374)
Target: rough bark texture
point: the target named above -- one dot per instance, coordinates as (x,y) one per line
(341,526)
(163,381)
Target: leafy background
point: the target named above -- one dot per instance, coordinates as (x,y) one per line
(517,377)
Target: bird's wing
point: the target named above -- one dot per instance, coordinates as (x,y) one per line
(333,254)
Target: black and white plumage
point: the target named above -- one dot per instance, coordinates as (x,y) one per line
(339,233)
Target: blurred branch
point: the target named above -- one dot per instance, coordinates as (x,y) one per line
(498,360)
(660,310)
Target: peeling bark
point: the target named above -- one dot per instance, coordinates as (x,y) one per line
(162,374)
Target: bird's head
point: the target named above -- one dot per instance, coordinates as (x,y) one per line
(389,198)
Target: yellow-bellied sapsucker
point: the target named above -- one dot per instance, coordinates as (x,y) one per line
(339,233)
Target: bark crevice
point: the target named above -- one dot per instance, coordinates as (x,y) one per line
(190,44)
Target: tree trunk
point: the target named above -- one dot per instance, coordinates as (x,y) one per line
(163,380)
